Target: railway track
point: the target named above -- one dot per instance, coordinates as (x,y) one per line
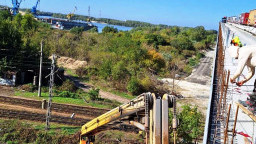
(60,113)
(25,115)
(63,108)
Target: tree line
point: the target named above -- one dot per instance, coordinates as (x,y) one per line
(129,61)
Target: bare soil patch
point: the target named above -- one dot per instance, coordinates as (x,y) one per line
(70,63)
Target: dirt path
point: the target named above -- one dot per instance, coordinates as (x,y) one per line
(86,87)
(194,93)
(196,87)
(202,73)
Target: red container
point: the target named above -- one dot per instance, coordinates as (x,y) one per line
(244,18)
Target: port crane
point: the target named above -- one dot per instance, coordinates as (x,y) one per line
(16,6)
(33,10)
(146,112)
(70,15)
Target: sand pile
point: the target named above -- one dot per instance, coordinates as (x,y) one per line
(70,63)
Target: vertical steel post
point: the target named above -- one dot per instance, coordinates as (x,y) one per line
(40,71)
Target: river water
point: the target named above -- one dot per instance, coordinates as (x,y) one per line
(99,25)
(102,25)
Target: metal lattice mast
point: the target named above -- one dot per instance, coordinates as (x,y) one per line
(48,114)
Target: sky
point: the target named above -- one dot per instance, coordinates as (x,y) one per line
(189,13)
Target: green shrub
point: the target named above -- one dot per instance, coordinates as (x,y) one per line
(44,89)
(200,46)
(67,94)
(108,29)
(134,86)
(77,30)
(93,94)
(94,30)
(191,125)
(43,137)
(199,56)
(188,69)
(192,62)
(16,132)
(81,71)
(28,87)
(68,86)
(188,53)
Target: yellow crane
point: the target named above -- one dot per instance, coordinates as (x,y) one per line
(70,15)
(147,112)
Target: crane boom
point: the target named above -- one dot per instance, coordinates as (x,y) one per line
(70,15)
(146,112)
(33,10)
(16,6)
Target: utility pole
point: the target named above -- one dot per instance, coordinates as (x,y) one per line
(40,71)
(48,114)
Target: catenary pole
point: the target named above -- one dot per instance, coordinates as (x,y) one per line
(48,114)
(40,71)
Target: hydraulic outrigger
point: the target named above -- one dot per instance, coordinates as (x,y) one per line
(147,112)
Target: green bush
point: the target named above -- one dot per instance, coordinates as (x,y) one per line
(192,62)
(45,89)
(191,125)
(199,56)
(43,137)
(28,87)
(188,53)
(93,94)
(108,29)
(94,30)
(67,94)
(77,30)
(134,86)
(188,69)
(16,132)
(81,71)
(67,86)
